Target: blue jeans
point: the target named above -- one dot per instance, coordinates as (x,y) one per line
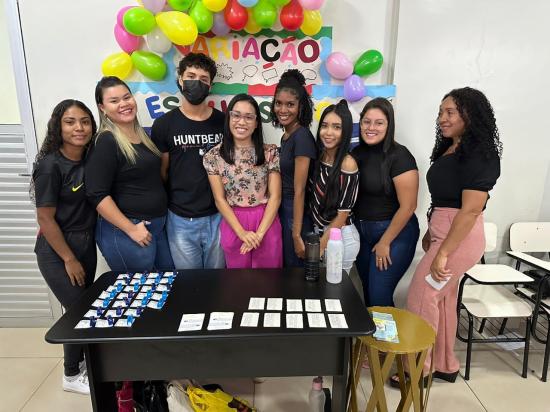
(123,254)
(286,215)
(195,242)
(378,286)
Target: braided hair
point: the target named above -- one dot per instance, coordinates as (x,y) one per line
(294,82)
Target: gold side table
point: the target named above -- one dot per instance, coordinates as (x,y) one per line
(416,338)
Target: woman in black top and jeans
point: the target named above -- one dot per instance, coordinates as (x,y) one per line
(65,248)
(292,109)
(384,212)
(124,184)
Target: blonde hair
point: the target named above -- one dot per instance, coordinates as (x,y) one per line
(122,141)
(107,125)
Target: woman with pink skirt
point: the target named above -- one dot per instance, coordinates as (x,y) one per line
(246,182)
(465,167)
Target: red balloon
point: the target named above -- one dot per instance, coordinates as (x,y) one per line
(235,15)
(292,16)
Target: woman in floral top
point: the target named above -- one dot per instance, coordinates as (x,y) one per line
(246,182)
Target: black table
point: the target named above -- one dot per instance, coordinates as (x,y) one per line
(153,349)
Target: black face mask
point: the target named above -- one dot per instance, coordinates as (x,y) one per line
(194,91)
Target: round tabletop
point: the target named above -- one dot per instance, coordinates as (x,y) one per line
(414,333)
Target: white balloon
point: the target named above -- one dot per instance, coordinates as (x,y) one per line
(157,41)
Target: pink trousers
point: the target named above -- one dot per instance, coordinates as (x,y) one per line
(270,252)
(438,307)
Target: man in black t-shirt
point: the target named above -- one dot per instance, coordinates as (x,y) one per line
(184,135)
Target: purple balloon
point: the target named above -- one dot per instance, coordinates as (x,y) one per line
(339,66)
(354,89)
(120,15)
(154,6)
(220,27)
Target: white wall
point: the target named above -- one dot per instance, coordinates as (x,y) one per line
(9,109)
(500,47)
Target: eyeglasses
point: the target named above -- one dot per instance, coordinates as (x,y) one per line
(237,116)
(367,123)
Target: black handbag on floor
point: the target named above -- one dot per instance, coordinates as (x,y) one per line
(150,396)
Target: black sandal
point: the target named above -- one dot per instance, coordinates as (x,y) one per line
(446,376)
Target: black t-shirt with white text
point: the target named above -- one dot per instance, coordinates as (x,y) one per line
(59,183)
(186,141)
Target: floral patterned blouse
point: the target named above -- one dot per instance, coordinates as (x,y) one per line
(245,184)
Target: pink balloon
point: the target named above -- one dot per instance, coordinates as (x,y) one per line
(354,89)
(339,66)
(120,14)
(311,4)
(220,27)
(154,6)
(127,42)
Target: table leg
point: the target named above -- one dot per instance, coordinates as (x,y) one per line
(339,395)
(103,394)
(416,365)
(378,397)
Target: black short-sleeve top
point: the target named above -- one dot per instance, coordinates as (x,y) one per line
(299,143)
(59,183)
(449,175)
(347,195)
(137,189)
(373,203)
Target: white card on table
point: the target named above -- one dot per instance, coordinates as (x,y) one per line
(157,296)
(98,303)
(141,295)
(256,304)
(250,319)
(111,313)
(131,312)
(169,274)
(274,304)
(136,303)
(134,281)
(128,289)
(337,321)
(191,321)
(272,320)
(313,305)
(162,288)
(220,320)
(163,281)
(294,321)
(110,288)
(102,323)
(119,304)
(145,288)
(154,304)
(123,323)
(333,305)
(294,305)
(104,295)
(91,312)
(150,281)
(83,324)
(316,320)
(152,275)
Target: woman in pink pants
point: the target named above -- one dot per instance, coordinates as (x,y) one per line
(246,182)
(465,167)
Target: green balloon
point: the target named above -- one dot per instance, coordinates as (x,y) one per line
(149,64)
(265,14)
(138,21)
(280,3)
(180,5)
(368,63)
(203,18)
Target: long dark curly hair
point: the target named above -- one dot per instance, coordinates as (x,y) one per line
(53,140)
(481,132)
(294,82)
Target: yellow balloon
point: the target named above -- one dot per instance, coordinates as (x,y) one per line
(312,22)
(215,5)
(118,64)
(319,108)
(251,26)
(178,27)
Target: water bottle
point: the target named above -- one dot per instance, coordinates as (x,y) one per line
(317,395)
(335,254)
(311,264)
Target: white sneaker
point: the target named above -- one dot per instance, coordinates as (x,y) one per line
(78,384)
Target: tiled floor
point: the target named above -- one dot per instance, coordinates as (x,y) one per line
(31,370)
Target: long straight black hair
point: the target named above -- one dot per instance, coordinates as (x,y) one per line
(329,204)
(227,148)
(389,144)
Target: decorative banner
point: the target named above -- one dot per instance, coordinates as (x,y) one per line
(252,64)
